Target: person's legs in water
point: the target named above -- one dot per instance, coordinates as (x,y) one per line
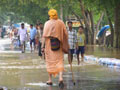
(49,82)
(12,44)
(78,59)
(34,45)
(70,58)
(24,46)
(82,57)
(82,53)
(61,84)
(70,55)
(31,45)
(60,76)
(40,52)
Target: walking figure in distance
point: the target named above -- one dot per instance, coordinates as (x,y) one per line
(33,33)
(22,33)
(39,37)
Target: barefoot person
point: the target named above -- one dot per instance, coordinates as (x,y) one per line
(37,26)
(39,37)
(81,44)
(72,39)
(13,37)
(56,43)
(22,33)
(33,33)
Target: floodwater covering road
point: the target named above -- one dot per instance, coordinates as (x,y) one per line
(28,72)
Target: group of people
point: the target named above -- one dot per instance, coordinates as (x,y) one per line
(55,40)
(33,35)
(36,37)
(77,42)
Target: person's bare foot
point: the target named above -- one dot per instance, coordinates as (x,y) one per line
(61,84)
(40,57)
(79,62)
(49,82)
(82,60)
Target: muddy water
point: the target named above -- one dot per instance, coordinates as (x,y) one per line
(103,52)
(27,72)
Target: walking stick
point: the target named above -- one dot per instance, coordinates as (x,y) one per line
(72,74)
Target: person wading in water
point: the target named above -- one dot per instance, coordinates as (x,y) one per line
(55,42)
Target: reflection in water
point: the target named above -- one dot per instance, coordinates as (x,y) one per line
(27,72)
(41,84)
(50,88)
(103,52)
(53,88)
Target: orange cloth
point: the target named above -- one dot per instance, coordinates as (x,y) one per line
(54,59)
(53,14)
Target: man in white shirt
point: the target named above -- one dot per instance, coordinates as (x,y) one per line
(23,36)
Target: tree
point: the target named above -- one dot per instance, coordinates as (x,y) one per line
(117,25)
(94,13)
(29,10)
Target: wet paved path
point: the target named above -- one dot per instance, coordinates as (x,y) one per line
(27,72)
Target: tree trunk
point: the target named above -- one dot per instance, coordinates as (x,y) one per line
(117,26)
(61,11)
(111,27)
(92,26)
(86,21)
(104,39)
(98,26)
(78,17)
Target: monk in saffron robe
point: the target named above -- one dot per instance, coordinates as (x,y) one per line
(54,59)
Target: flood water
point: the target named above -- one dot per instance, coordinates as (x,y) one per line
(103,52)
(28,72)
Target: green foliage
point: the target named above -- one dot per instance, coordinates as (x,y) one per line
(25,10)
(34,10)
